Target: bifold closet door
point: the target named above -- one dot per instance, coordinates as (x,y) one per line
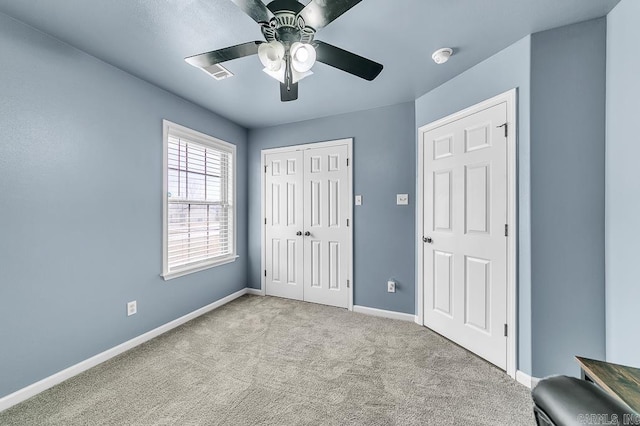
(326,215)
(284,225)
(307,254)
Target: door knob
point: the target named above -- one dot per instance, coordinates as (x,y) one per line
(299,233)
(427,240)
(307,233)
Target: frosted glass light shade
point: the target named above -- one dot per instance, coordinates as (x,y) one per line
(303,56)
(277,74)
(295,75)
(271,55)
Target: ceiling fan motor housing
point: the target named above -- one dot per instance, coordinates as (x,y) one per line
(287,27)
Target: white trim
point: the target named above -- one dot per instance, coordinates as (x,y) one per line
(526,380)
(201,266)
(383,313)
(302,147)
(207,141)
(255,291)
(420,231)
(305,146)
(512,249)
(510,99)
(263,229)
(48,382)
(350,159)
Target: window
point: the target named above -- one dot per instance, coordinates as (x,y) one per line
(199,201)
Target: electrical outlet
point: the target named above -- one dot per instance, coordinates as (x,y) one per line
(132,308)
(358,200)
(391,286)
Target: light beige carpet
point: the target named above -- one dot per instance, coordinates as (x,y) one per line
(270,361)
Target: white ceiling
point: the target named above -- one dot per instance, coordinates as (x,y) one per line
(150,38)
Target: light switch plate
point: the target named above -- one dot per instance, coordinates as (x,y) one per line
(358,200)
(402,199)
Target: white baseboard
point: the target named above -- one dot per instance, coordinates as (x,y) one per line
(526,380)
(383,313)
(48,382)
(255,291)
(418,320)
(534,382)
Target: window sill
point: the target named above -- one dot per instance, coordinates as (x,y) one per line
(197,268)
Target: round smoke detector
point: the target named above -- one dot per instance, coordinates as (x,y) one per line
(441,56)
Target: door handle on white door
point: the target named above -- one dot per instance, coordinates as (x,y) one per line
(299,233)
(427,240)
(306,234)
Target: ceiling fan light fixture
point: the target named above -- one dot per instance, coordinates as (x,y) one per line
(297,76)
(271,55)
(279,74)
(303,56)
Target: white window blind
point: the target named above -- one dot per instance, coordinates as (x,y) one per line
(199,219)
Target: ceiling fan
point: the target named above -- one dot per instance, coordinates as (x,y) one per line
(290,49)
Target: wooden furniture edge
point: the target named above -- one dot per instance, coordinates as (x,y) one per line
(597,379)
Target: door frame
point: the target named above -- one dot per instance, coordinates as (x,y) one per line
(510,98)
(303,147)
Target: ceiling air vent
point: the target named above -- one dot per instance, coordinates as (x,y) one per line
(217,71)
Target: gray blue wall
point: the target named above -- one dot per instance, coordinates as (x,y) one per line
(567,196)
(384,165)
(560,77)
(81,169)
(622,244)
(81,209)
(506,70)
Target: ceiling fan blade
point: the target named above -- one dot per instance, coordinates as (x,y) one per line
(320,13)
(290,94)
(256,9)
(204,60)
(289,5)
(346,61)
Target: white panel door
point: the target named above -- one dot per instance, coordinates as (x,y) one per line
(465,248)
(284,224)
(326,207)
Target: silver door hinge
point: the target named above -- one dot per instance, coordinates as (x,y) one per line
(265,220)
(347,222)
(505,330)
(265,169)
(506,230)
(347,162)
(265,272)
(506,129)
(348,284)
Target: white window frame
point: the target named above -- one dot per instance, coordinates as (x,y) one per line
(168,128)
